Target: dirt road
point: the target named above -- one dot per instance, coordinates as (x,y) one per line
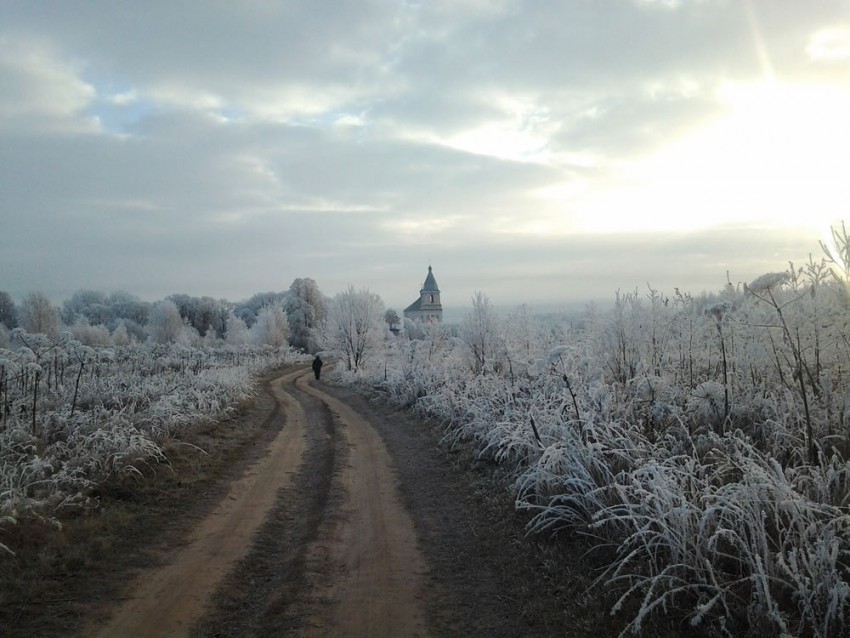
(353,523)
(369,547)
(166,601)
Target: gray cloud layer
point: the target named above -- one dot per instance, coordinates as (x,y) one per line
(221,149)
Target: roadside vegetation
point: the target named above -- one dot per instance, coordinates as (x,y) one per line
(76,417)
(701,442)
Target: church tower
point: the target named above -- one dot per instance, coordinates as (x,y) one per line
(427,308)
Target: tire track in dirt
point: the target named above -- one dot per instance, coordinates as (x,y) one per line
(167,600)
(270,591)
(338,555)
(377,570)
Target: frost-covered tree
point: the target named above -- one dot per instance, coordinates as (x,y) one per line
(211,340)
(125,306)
(354,327)
(99,308)
(271,327)
(90,335)
(248,310)
(202,313)
(207,317)
(166,324)
(479,332)
(88,304)
(307,289)
(521,335)
(437,337)
(391,317)
(414,329)
(8,313)
(38,316)
(185,306)
(136,331)
(306,309)
(237,333)
(120,336)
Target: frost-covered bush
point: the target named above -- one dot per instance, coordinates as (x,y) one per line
(704,438)
(727,534)
(73,416)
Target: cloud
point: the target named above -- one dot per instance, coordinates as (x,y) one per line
(213,149)
(830,45)
(38,90)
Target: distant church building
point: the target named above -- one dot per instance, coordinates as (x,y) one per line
(427,308)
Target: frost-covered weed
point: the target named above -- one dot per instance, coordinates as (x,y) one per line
(73,416)
(705,438)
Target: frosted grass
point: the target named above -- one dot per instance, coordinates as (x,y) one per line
(702,442)
(73,417)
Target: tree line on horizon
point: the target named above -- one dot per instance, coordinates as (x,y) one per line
(100,319)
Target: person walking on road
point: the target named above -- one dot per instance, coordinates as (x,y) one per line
(317,366)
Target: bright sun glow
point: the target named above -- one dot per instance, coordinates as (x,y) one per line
(501,142)
(778,157)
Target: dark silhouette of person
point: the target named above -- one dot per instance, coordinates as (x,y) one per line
(317,366)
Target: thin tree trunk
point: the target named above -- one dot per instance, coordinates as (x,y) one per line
(34,402)
(76,388)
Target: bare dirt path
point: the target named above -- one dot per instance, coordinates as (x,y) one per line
(372,544)
(165,601)
(357,569)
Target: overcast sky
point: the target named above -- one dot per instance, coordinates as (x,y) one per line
(543,152)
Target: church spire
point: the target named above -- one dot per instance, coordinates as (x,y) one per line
(430,284)
(428,307)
